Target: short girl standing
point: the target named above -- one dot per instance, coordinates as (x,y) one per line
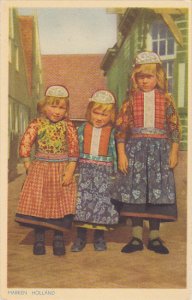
(47,199)
(148,135)
(96,169)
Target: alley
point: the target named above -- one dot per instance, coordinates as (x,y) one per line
(90,269)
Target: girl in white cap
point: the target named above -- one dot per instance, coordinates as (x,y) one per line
(97,165)
(47,199)
(148,135)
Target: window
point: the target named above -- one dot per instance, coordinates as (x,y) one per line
(20,121)
(16,125)
(10,116)
(16,58)
(38,88)
(10,50)
(181,85)
(168,67)
(40,77)
(26,120)
(23,118)
(162,42)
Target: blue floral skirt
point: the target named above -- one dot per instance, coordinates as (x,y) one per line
(94,195)
(148,189)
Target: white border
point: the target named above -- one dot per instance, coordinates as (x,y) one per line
(150,294)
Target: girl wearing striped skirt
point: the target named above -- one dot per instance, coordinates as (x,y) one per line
(47,199)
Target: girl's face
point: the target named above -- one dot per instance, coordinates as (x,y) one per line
(99,117)
(146,82)
(55,112)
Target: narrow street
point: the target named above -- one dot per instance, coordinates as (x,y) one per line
(108,269)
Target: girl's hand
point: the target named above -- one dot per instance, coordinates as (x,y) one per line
(173,157)
(122,158)
(26,166)
(67,178)
(123,163)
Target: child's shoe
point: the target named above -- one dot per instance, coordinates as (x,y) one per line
(58,247)
(39,248)
(157,246)
(58,243)
(100,244)
(134,245)
(78,245)
(99,241)
(39,244)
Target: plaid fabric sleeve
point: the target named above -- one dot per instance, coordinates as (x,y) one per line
(72,141)
(28,140)
(123,122)
(172,118)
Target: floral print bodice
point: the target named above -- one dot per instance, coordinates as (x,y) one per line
(50,138)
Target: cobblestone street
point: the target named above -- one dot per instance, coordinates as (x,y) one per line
(91,269)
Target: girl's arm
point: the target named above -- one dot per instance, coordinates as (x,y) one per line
(72,142)
(112,150)
(27,164)
(68,175)
(73,153)
(174,130)
(173,156)
(123,121)
(122,158)
(122,126)
(27,142)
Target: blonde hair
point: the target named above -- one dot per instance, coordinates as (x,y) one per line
(155,69)
(51,100)
(104,107)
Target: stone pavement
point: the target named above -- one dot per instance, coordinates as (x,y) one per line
(91,269)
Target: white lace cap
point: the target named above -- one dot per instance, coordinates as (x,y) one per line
(57,91)
(103,96)
(147,57)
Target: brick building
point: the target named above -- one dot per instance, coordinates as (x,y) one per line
(80,73)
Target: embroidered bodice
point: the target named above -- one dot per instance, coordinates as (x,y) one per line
(151,114)
(97,143)
(50,138)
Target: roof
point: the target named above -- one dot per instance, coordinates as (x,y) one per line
(79,73)
(26,31)
(166,14)
(128,15)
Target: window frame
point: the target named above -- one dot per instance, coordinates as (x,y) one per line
(166,58)
(150,40)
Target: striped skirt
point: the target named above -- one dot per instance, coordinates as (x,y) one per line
(43,198)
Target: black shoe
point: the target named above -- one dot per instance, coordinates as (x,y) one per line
(39,248)
(78,245)
(58,247)
(157,246)
(100,244)
(132,247)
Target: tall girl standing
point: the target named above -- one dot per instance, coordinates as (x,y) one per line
(47,199)
(97,165)
(148,135)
